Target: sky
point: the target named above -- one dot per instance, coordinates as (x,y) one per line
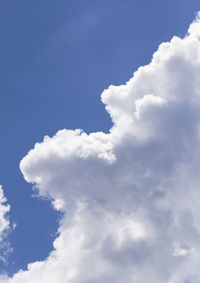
(57,58)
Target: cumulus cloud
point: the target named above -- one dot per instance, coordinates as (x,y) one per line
(131,198)
(5,227)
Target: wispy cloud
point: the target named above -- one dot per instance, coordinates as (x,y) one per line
(5,227)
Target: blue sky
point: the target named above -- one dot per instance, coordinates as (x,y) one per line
(56,59)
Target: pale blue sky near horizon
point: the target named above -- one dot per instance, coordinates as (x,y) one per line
(56,59)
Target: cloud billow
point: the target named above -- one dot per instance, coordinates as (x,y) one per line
(131,197)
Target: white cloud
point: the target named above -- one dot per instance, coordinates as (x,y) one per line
(130,197)
(5,227)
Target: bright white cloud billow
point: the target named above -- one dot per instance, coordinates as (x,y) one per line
(131,198)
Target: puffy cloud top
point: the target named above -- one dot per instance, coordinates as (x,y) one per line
(131,197)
